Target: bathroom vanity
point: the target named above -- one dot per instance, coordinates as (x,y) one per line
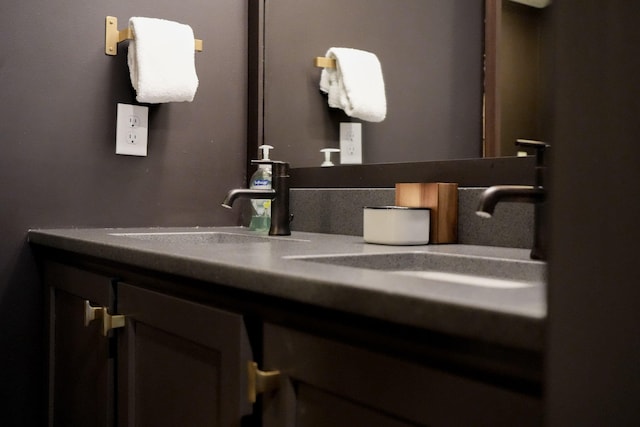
(219,326)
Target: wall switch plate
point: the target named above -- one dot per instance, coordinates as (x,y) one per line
(351,143)
(132,127)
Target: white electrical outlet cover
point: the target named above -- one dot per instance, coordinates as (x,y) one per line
(351,143)
(132,127)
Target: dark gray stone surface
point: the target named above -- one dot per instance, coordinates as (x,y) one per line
(512,317)
(335,210)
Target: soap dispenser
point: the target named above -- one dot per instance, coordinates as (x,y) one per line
(261,208)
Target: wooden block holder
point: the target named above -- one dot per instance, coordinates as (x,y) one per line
(442,198)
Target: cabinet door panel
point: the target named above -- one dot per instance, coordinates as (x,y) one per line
(316,408)
(176,380)
(82,370)
(180,363)
(319,372)
(80,366)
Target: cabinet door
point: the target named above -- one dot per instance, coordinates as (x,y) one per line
(180,363)
(80,366)
(325,383)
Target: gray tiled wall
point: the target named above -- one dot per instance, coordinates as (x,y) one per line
(339,211)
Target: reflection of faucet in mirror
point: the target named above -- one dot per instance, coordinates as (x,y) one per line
(327,156)
(279,193)
(535,194)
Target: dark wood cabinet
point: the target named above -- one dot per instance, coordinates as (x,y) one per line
(173,362)
(181,354)
(180,363)
(81,367)
(330,383)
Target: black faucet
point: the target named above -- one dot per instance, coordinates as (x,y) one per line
(279,194)
(536,194)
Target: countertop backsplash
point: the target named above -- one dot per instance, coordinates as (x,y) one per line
(339,211)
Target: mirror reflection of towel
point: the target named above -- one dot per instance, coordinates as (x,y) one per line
(356,84)
(161,61)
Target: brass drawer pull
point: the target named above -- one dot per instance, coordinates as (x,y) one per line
(91,313)
(260,381)
(108,321)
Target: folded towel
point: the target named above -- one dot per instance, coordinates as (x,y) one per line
(161,61)
(356,84)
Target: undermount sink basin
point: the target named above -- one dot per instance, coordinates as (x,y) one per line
(204,237)
(462,269)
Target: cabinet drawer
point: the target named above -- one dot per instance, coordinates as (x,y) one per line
(81,283)
(344,384)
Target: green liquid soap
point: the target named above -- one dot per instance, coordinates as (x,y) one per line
(260,223)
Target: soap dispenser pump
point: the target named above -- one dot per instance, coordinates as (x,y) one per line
(261,208)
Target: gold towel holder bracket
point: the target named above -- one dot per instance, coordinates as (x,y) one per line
(113,36)
(323,62)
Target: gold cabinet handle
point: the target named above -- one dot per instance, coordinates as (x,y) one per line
(92,313)
(260,381)
(109,321)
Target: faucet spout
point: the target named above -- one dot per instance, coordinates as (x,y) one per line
(508,193)
(536,194)
(279,194)
(519,193)
(237,193)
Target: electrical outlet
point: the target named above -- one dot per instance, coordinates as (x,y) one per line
(132,130)
(351,143)
(134,121)
(132,137)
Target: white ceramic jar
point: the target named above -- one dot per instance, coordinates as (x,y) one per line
(396,225)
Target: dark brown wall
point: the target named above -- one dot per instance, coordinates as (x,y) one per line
(58,166)
(594,292)
(431,57)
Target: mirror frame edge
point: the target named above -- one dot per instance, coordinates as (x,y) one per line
(491,114)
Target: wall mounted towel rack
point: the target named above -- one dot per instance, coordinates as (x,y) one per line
(113,36)
(323,62)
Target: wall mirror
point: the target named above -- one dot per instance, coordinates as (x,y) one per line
(517,73)
(433,56)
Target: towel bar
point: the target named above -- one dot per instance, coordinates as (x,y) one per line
(113,36)
(323,62)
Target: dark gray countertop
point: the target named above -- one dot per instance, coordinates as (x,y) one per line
(512,317)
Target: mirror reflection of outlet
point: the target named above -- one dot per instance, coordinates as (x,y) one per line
(132,130)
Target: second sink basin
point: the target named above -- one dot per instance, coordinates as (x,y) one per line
(203,237)
(462,269)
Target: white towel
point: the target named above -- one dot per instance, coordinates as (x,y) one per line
(161,61)
(356,84)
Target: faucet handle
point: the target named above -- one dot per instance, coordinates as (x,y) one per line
(277,164)
(539,146)
(267,162)
(280,168)
(532,144)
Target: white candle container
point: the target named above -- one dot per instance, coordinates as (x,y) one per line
(396,225)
